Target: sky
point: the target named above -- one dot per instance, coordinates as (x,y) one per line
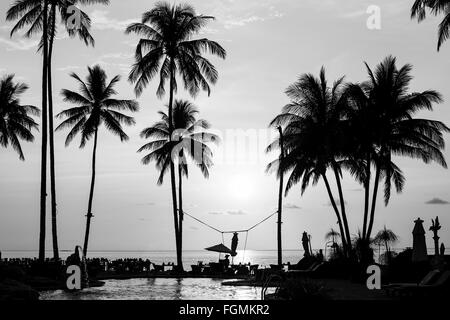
(269,43)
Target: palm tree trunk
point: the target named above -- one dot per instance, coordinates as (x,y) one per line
(91,196)
(336,210)
(374,201)
(280,202)
(172,170)
(366,196)
(51,137)
(342,201)
(180,210)
(43,197)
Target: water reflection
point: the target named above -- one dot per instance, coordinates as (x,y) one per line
(159,289)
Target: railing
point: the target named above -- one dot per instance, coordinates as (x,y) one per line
(267,283)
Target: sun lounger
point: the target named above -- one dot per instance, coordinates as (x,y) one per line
(308,272)
(441,284)
(426,280)
(425,286)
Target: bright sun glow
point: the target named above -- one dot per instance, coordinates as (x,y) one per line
(241,187)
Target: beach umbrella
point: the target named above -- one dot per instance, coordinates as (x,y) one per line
(419,253)
(219,248)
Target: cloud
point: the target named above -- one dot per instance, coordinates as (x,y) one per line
(101,21)
(215,213)
(354,14)
(242,22)
(193,228)
(19,45)
(208,30)
(291,206)
(119,60)
(236,213)
(117,55)
(234,21)
(437,201)
(68,68)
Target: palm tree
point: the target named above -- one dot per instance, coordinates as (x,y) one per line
(382,125)
(40,15)
(95,106)
(15,119)
(386,237)
(363,249)
(280,201)
(332,235)
(419,10)
(167,48)
(313,139)
(189,139)
(18,10)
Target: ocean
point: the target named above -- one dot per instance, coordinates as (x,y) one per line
(261,257)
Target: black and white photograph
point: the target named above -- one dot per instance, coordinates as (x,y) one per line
(248,151)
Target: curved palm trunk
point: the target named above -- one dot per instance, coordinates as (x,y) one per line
(280,203)
(374,201)
(51,136)
(180,210)
(172,172)
(43,196)
(344,215)
(336,210)
(366,196)
(91,196)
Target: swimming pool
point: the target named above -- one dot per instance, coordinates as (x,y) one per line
(159,289)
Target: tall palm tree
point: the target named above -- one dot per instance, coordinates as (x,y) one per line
(419,10)
(280,201)
(95,106)
(16,122)
(383,125)
(167,49)
(189,140)
(37,8)
(313,139)
(40,16)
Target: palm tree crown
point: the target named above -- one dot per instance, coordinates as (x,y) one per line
(436,7)
(31,13)
(167,47)
(189,139)
(95,106)
(311,135)
(15,119)
(389,120)
(385,237)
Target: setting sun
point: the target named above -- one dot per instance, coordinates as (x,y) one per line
(241,187)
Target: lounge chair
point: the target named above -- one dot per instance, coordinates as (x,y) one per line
(434,288)
(425,286)
(426,280)
(308,272)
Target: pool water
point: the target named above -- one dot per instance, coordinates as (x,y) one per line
(159,289)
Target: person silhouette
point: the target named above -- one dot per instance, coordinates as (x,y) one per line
(227,261)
